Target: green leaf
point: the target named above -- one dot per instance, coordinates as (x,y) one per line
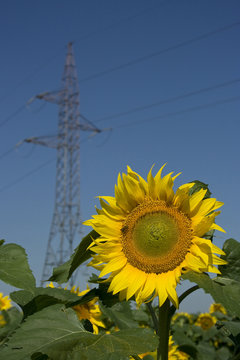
(13,318)
(232,326)
(62,273)
(227,295)
(223,354)
(124,342)
(206,352)
(22,297)
(182,339)
(57,332)
(14,268)
(121,315)
(140,315)
(106,298)
(39,356)
(44,297)
(54,327)
(231,248)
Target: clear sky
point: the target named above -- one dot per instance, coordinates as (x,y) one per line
(129,55)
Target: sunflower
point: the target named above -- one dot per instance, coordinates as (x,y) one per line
(173,352)
(182,317)
(217,308)
(89,310)
(5,302)
(150,235)
(206,321)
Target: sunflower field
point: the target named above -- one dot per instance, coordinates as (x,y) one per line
(144,242)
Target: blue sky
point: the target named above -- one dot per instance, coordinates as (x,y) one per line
(197,135)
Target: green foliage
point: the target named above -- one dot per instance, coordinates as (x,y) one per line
(232,270)
(62,273)
(228,295)
(12,318)
(32,302)
(102,292)
(124,342)
(57,332)
(201,343)
(49,329)
(14,268)
(121,315)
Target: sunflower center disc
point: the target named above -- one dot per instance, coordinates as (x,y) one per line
(156,237)
(155,234)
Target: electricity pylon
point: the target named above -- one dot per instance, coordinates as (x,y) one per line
(66,221)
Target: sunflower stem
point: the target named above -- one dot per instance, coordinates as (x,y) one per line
(154,317)
(164,324)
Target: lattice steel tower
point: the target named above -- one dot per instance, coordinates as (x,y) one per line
(66,220)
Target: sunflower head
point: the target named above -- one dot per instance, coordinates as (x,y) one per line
(5,302)
(182,317)
(217,308)
(173,352)
(206,321)
(150,235)
(88,311)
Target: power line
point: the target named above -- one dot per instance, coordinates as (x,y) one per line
(184,111)
(7,152)
(169,100)
(160,52)
(50,59)
(30,75)
(167,115)
(21,178)
(115,24)
(11,116)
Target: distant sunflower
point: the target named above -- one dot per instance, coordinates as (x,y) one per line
(217,308)
(89,310)
(150,235)
(173,352)
(205,321)
(5,302)
(182,317)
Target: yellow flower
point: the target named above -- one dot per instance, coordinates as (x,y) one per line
(206,321)
(5,302)
(173,352)
(150,235)
(183,316)
(217,308)
(2,320)
(51,285)
(89,310)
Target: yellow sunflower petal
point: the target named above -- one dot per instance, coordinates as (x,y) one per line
(150,235)
(113,265)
